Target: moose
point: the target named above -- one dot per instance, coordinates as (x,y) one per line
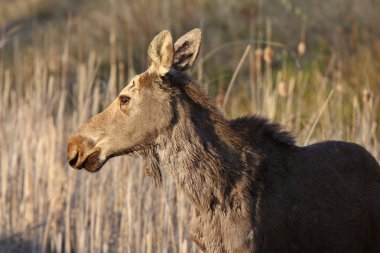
(252,189)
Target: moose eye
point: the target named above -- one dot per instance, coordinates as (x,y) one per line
(124,100)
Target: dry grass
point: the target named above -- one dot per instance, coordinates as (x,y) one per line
(54,77)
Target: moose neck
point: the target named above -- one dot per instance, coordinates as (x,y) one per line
(200,151)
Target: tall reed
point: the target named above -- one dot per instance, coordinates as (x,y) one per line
(48,88)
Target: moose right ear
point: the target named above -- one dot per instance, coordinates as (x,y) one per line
(186,49)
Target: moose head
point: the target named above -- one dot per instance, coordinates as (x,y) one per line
(143,109)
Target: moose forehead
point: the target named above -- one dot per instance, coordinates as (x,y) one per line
(140,81)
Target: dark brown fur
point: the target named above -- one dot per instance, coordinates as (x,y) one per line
(254,190)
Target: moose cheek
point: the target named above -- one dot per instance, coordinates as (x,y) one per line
(125,109)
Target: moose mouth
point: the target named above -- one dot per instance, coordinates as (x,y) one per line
(91,160)
(93,163)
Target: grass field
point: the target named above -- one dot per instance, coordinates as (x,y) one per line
(313,67)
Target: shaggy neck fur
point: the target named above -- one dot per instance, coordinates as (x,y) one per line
(197,154)
(208,155)
(216,163)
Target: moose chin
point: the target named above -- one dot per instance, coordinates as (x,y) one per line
(253,189)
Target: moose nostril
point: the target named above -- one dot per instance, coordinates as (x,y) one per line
(77,151)
(73,160)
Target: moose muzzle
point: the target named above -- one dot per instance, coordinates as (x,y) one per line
(82,153)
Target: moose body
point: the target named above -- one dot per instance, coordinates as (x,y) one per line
(251,188)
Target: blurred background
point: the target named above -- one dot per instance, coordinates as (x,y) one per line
(313,66)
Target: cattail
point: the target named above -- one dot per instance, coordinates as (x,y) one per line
(282,89)
(258,57)
(366,95)
(293,120)
(268,54)
(339,87)
(53,65)
(301,48)
(376,48)
(219,100)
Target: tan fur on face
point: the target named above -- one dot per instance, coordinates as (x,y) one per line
(125,128)
(117,130)
(147,79)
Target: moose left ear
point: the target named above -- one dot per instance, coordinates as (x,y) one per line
(160,53)
(186,49)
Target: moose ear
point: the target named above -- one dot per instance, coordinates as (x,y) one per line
(160,53)
(186,49)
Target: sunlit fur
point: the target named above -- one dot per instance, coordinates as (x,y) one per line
(252,189)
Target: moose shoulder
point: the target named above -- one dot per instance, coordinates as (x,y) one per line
(252,189)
